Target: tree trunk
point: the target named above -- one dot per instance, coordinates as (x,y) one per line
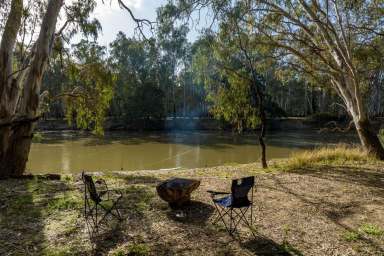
(18,150)
(17,124)
(261,140)
(369,139)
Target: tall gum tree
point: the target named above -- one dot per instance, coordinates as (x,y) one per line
(332,41)
(20,91)
(325,38)
(21,77)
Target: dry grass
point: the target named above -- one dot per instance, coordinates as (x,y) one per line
(339,154)
(322,208)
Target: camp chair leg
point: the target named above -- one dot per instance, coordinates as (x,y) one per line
(252,213)
(236,216)
(222,213)
(244,219)
(110,211)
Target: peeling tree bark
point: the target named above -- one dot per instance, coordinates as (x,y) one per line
(329,41)
(20,95)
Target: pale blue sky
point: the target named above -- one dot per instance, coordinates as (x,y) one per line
(114,19)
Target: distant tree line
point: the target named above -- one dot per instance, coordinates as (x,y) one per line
(263,58)
(163,76)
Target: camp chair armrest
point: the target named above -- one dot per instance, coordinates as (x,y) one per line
(215,193)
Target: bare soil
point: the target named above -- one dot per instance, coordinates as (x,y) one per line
(322,210)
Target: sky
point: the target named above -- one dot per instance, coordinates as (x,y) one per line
(114,19)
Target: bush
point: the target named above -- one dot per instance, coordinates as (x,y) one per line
(37,137)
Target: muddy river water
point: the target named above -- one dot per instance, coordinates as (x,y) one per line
(71,152)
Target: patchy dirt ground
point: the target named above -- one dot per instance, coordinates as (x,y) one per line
(321,210)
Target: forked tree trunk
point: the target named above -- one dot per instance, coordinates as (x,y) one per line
(349,91)
(19,111)
(369,139)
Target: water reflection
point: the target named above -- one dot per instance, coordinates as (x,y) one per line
(71,152)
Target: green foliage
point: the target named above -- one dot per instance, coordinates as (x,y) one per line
(67,202)
(92,85)
(288,248)
(137,91)
(134,249)
(364,229)
(351,236)
(37,137)
(138,249)
(139,197)
(371,229)
(225,65)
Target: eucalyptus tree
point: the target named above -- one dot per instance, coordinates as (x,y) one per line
(20,83)
(331,41)
(30,30)
(173,44)
(137,89)
(91,86)
(230,62)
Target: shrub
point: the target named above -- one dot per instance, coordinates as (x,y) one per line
(37,137)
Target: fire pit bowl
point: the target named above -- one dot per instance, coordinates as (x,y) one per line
(177,191)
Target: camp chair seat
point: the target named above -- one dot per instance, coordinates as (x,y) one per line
(228,202)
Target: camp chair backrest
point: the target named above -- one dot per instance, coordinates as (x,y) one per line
(90,186)
(240,189)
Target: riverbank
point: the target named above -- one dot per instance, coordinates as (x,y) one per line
(323,203)
(317,121)
(73,152)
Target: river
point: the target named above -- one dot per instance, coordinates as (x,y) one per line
(72,152)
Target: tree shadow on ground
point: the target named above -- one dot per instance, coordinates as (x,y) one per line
(24,205)
(135,201)
(107,239)
(335,212)
(138,179)
(369,177)
(193,213)
(263,246)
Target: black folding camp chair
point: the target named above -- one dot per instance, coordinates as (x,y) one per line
(235,205)
(99,203)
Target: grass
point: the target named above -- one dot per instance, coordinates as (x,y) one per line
(332,155)
(371,229)
(351,236)
(364,229)
(67,202)
(298,213)
(132,249)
